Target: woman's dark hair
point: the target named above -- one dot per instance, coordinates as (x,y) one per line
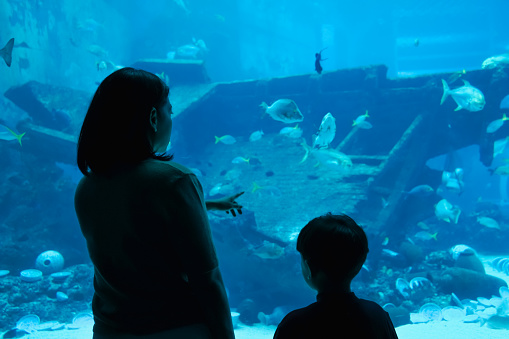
(116,126)
(334,244)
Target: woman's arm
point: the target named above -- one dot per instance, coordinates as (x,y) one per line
(227,204)
(198,256)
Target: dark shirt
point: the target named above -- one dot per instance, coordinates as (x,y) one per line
(337,316)
(147,234)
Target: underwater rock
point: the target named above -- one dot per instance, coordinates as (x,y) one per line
(248,311)
(466,283)
(235,319)
(49,262)
(59,108)
(275,317)
(399,315)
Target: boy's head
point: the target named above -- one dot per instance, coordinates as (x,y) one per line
(334,245)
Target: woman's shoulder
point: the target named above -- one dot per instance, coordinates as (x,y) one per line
(166,168)
(164,171)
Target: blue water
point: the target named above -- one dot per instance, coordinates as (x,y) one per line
(254,51)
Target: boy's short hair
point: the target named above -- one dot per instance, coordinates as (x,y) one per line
(334,244)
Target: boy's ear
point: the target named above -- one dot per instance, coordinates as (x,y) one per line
(153,117)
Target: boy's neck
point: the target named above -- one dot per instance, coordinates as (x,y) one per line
(325,285)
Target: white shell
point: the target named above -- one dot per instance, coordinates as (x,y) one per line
(28,323)
(61,296)
(431,311)
(30,275)
(453,313)
(60,276)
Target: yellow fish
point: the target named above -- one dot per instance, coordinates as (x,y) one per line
(8,134)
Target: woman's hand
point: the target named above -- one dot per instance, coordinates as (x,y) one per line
(227,204)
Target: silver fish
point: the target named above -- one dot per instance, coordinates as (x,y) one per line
(467,97)
(284,110)
(496,124)
(444,210)
(495,61)
(326,132)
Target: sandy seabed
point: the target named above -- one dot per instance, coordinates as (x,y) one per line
(437,330)
(432,330)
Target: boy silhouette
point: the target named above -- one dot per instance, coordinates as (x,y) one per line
(333,249)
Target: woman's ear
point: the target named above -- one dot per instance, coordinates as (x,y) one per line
(153,118)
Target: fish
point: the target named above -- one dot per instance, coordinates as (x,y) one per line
(164,78)
(106,65)
(332,158)
(421,191)
(467,97)
(389,252)
(458,250)
(226,139)
(97,51)
(188,52)
(360,118)
(454,185)
(256,135)
(500,170)
(422,225)
(386,241)
(89,25)
(385,202)
(495,61)
(423,235)
(496,124)
(240,160)
(283,110)
(488,222)
(224,189)
(182,5)
(318,59)
(499,146)
(6,52)
(272,191)
(268,250)
(233,174)
(504,104)
(291,132)
(456,75)
(329,157)
(326,132)
(444,210)
(8,134)
(256,187)
(364,125)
